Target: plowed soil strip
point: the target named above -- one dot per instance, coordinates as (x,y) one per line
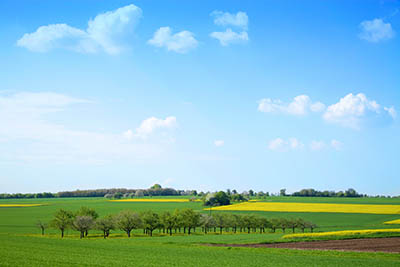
(368,244)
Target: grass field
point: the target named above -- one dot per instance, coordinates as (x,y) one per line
(21,244)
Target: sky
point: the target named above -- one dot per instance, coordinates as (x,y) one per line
(204,95)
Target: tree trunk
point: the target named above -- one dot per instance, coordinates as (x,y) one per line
(129,233)
(189,230)
(104,234)
(42,231)
(82,234)
(151,232)
(293,229)
(170,231)
(62,233)
(220,230)
(184,230)
(86,232)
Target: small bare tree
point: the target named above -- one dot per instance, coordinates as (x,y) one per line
(41,225)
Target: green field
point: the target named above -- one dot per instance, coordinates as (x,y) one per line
(22,245)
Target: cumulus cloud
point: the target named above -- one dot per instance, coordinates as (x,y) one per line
(219,143)
(280,144)
(376,30)
(104,33)
(240,19)
(229,37)
(180,42)
(31,136)
(150,125)
(351,109)
(300,105)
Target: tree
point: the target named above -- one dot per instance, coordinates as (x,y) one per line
(150,221)
(282,192)
(311,226)
(118,195)
(207,222)
(127,221)
(139,193)
(275,223)
(62,220)
(292,223)
(156,186)
(106,224)
(86,211)
(83,224)
(301,224)
(169,221)
(220,221)
(41,225)
(190,219)
(251,192)
(218,199)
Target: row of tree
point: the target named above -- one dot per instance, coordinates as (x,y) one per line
(315,193)
(181,220)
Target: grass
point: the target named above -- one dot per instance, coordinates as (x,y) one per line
(21,244)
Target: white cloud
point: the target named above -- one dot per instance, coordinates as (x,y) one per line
(180,42)
(376,30)
(350,109)
(240,19)
(336,144)
(392,112)
(219,143)
(104,33)
(317,145)
(280,144)
(148,126)
(300,105)
(229,37)
(31,136)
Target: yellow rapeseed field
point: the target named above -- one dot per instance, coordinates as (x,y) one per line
(312,207)
(18,205)
(343,233)
(393,222)
(153,200)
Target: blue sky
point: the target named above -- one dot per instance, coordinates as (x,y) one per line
(200,95)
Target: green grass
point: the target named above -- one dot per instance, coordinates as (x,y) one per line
(21,244)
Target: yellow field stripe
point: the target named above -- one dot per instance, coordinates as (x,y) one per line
(18,205)
(343,233)
(312,207)
(393,222)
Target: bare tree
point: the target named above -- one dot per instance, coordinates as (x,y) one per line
(41,225)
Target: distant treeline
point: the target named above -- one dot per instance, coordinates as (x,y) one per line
(157,190)
(315,193)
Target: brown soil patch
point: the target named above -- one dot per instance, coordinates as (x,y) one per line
(391,244)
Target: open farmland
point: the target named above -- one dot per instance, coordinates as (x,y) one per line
(21,243)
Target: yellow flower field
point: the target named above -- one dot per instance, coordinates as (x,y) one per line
(18,205)
(153,200)
(343,233)
(393,222)
(312,207)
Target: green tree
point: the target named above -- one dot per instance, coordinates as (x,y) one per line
(106,224)
(207,222)
(83,224)
(127,221)
(62,220)
(169,221)
(190,219)
(150,221)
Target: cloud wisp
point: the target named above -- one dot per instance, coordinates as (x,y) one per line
(228,20)
(33,137)
(300,105)
(293,144)
(104,33)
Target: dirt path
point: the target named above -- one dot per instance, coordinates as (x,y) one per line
(368,244)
